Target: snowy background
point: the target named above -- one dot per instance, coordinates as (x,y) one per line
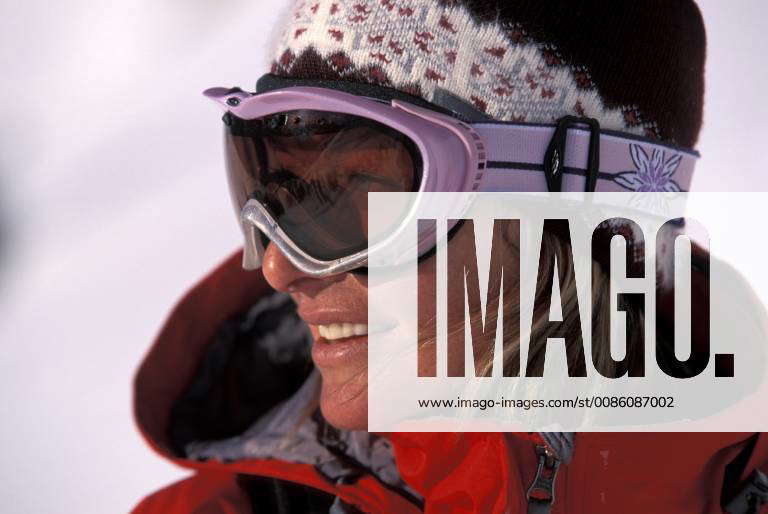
(113,201)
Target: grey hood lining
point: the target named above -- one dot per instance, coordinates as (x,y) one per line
(294,431)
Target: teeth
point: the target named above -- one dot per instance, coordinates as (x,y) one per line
(340,330)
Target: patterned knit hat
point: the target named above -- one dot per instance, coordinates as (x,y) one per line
(635,66)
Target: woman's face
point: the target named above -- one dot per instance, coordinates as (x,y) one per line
(327,305)
(346,159)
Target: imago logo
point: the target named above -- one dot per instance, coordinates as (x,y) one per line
(557,270)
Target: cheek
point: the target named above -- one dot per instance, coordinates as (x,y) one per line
(461,250)
(427,365)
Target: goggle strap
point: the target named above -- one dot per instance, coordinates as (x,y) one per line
(517,160)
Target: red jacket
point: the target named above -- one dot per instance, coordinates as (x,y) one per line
(472,473)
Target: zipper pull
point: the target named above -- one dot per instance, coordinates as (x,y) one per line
(541,493)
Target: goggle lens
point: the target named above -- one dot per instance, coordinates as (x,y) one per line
(312,171)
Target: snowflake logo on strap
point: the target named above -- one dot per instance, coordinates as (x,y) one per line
(652,174)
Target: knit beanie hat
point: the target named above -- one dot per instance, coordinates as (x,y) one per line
(635,66)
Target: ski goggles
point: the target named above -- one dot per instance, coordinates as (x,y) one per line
(301,158)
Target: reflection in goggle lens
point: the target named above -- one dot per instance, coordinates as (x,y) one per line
(312,171)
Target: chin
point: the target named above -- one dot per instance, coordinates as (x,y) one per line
(345,406)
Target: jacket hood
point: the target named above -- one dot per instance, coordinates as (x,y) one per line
(175,370)
(183,385)
(171,362)
(228,386)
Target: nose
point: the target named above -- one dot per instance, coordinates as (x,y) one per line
(282,275)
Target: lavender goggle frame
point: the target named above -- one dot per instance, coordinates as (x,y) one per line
(452,153)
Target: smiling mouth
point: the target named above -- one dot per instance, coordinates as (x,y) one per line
(342,330)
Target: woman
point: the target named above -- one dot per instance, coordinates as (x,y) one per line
(232,386)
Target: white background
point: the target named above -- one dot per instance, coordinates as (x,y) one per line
(113,201)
